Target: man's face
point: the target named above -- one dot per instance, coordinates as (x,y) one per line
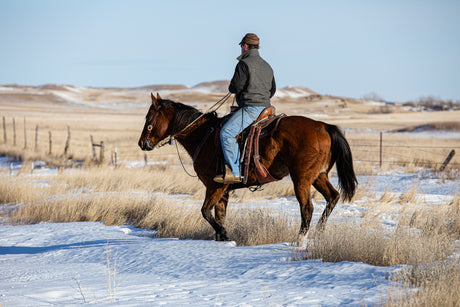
(244,48)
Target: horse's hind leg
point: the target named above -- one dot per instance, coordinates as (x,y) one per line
(302,193)
(331,195)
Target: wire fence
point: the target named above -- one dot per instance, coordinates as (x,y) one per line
(389,150)
(371,151)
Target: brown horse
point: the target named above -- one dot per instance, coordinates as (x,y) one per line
(300,147)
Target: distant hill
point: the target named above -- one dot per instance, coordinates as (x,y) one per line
(294,92)
(148,88)
(217,87)
(130,97)
(212,87)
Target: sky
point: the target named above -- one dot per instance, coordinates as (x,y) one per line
(398,50)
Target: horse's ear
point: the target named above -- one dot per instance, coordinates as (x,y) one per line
(154,101)
(159,97)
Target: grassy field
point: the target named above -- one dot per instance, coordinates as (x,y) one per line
(119,126)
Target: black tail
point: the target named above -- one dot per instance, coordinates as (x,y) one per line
(341,155)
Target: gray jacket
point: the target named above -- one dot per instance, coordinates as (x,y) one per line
(253,82)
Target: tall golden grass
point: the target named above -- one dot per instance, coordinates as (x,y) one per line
(246,226)
(438,285)
(118,197)
(350,241)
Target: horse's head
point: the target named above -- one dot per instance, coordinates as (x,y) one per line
(156,124)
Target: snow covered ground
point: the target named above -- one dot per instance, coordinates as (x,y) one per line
(77,263)
(66,264)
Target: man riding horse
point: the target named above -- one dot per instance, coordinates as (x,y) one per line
(303,148)
(253,84)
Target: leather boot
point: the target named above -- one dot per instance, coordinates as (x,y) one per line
(228,178)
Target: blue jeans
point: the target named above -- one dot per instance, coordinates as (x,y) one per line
(239,121)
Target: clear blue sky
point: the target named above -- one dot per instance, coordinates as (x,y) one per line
(398,49)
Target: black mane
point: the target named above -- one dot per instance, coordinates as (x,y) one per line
(186,114)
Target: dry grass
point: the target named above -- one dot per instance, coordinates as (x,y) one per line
(441,219)
(348,241)
(264,225)
(17,190)
(73,199)
(439,285)
(167,179)
(170,220)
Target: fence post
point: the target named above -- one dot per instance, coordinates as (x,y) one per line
(447,160)
(4,130)
(14,132)
(36,137)
(115,157)
(145,160)
(51,143)
(93,147)
(25,134)
(67,142)
(101,153)
(380,149)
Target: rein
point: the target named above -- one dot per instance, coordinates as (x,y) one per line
(170,139)
(198,149)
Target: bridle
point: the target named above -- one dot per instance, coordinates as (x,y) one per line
(150,126)
(170,139)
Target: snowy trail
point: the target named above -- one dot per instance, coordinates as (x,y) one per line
(41,265)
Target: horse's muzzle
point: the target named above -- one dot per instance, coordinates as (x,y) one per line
(147,145)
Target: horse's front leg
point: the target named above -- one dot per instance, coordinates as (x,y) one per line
(213,198)
(220,211)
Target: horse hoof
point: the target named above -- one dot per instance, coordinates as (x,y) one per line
(221,237)
(301,241)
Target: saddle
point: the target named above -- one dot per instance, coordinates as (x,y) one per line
(248,141)
(251,138)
